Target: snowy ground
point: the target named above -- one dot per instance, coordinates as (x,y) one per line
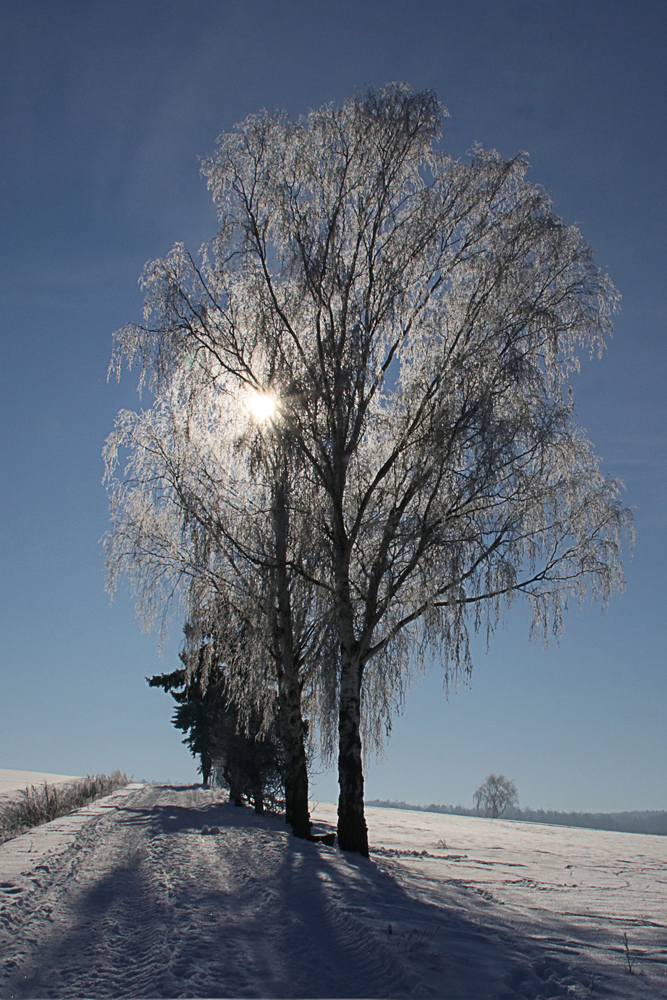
(12,782)
(169,892)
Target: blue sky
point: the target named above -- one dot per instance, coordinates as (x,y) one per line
(104,111)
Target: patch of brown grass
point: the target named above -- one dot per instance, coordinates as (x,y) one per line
(40,805)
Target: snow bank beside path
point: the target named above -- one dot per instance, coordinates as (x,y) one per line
(171,892)
(15,781)
(52,839)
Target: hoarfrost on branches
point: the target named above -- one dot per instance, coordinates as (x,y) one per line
(416,320)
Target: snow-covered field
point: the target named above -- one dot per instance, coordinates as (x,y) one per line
(170,892)
(12,782)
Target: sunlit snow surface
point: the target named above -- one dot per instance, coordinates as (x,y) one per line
(170,892)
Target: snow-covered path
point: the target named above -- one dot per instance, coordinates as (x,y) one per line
(169,892)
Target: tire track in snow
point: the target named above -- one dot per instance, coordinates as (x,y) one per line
(279,917)
(144,905)
(76,940)
(144,902)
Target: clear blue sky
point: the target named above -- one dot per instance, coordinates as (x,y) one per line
(105,108)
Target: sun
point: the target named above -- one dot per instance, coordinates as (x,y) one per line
(262,406)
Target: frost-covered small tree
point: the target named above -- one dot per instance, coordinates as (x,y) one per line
(414,321)
(496,795)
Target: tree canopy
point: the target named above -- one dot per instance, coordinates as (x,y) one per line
(410,322)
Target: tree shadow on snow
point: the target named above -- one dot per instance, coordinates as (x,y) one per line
(273,916)
(173,818)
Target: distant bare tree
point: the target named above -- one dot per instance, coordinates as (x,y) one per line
(496,795)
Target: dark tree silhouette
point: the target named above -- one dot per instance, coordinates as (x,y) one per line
(496,795)
(195,715)
(243,753)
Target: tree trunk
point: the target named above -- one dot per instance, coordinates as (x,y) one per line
(206,766)
(283,728)
(235,790)
(352,830)
(293,730)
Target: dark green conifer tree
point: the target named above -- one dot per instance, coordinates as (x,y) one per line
(244,756)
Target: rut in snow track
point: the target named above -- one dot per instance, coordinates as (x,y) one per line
(143,904)
(140,899)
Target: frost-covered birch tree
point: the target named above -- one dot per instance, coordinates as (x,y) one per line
(202,513)
(413,320)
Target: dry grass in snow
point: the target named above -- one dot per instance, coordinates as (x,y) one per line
(34,806)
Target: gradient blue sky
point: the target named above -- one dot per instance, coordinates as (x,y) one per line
(105,108)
